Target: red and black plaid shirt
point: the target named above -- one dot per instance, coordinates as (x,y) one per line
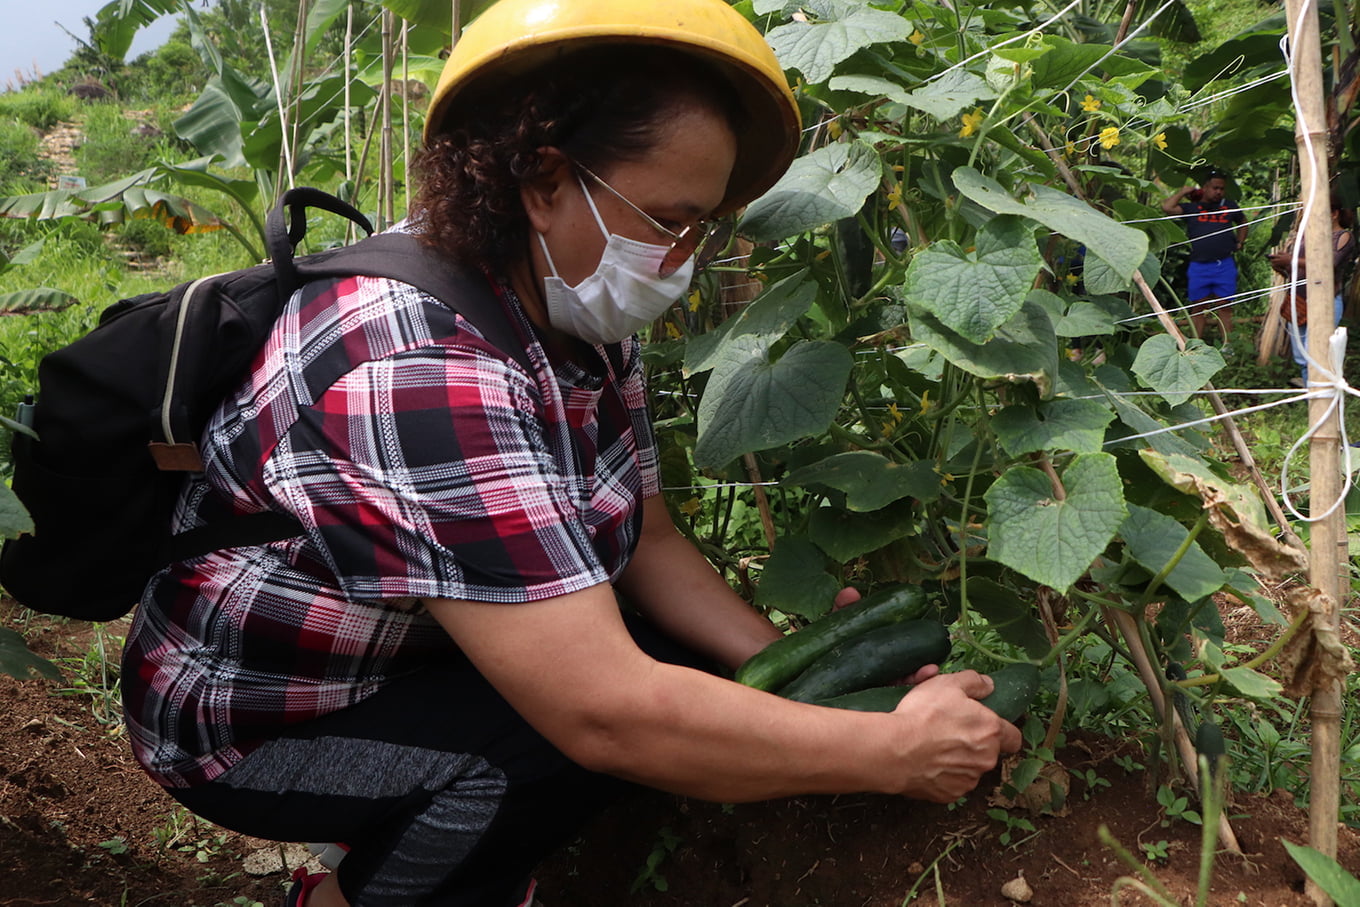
(422,463)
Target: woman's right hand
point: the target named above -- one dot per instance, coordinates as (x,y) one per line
(956,739)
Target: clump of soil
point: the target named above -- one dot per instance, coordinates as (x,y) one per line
(81,824)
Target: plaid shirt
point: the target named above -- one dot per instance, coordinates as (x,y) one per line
(421,463)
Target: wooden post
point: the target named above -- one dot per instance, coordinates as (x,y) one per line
(1329,555)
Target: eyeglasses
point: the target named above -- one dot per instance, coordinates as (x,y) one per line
(683,244)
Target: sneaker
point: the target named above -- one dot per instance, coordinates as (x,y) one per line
(303,883)
(329,854)
(529,899)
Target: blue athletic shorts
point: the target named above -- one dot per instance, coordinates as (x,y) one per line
(1213,279)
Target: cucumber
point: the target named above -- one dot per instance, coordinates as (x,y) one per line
(874,699)
(871,659)
(782,660)
(1015,688)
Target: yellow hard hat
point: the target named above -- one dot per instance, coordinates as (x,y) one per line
(516,36)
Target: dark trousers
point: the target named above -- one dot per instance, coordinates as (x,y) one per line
(444,794)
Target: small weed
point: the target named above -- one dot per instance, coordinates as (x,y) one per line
(1129,764)
(1156,853)
(116,846)
(666,842)
(1176,807)
(1014,825)
(1090,780)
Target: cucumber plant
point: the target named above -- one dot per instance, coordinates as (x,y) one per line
(942,379)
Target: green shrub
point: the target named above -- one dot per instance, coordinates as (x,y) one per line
(172,73)
(41,108)
(22,167)
(112,148)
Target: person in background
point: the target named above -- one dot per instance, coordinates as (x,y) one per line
(1217,230)
(438,673)
(1294,309)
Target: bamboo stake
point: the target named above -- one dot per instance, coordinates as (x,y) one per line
(287,175)
(1329,555)
(295,77)
(385,191)
(1128,628)
(349,116)
(405,115)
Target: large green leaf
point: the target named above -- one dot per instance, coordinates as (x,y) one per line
(14,518)
(753,404)
(844,535)
(1175,374)
(1100,277)
(38,299)
(17,661)
(795,580)
(1008,615)
(759,325)
(1024,349)
(1327,873)
(1075,425)
(1122,248)
(1140,423)
(213,125)
(824,186)
(874,86)
(1097,317)
(973,293)
(1050,540)
(1153,538)
(948,95)
(117,23)
(842,28)
(1069,61)
(870,480)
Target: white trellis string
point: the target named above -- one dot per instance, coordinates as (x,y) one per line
(1333,387)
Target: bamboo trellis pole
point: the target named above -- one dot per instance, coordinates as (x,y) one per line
(1328,537)
(386,202)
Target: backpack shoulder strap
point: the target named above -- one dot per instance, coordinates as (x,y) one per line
(401,256)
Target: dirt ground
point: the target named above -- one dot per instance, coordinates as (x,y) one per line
(80,824)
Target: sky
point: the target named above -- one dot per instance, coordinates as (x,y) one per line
(31,37)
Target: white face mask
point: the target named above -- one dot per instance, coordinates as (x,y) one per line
(624,294)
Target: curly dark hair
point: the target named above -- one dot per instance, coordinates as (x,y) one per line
(598,106)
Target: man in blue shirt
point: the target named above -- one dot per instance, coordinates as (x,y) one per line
(1217,230)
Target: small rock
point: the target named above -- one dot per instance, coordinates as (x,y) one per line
(1018,890)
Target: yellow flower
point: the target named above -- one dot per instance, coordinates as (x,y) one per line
(1090,104)
(1109,137)
(690,507)
(971,121)
(895,414)
(1070,149)
(1070,278)
(694,300)
(1159,140)
(834,129)
(925,402)
(673,332)
(895,197)
(916,37)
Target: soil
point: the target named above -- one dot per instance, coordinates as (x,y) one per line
(80,824)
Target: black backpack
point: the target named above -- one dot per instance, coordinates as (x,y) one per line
(119,412)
